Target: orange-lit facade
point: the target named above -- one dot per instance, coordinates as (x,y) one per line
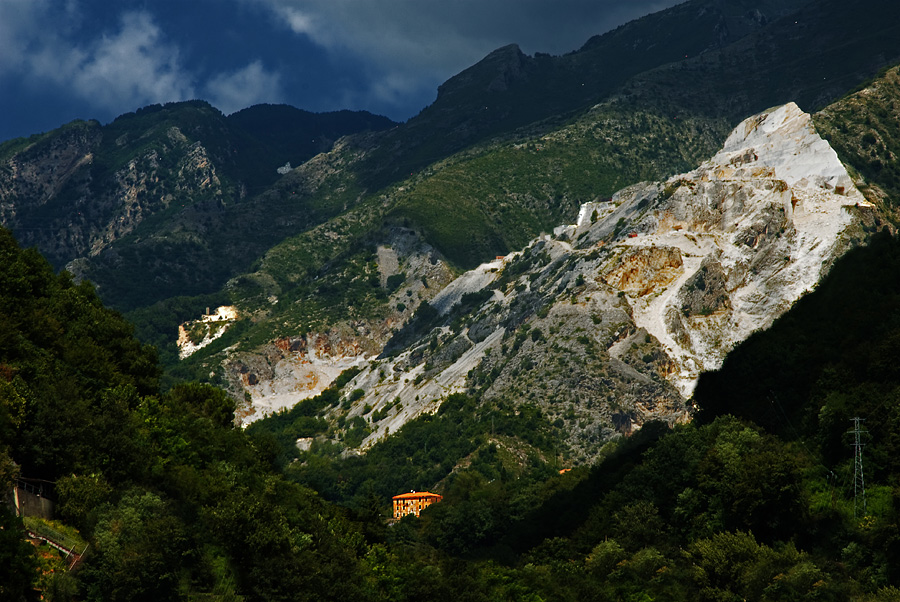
(413,502)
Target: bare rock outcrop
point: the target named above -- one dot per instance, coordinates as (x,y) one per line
(641,270)
(662,282)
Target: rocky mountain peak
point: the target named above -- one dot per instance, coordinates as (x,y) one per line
(756,227)
(785,140)
(608,323)
(493,73)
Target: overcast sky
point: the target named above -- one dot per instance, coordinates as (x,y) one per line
(96,59)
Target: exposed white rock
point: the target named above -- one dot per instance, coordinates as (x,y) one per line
(214,326)
(296,377)
(296,368)
(785,140)
(414,398)
(705,259)
(388,263)
(769,211)
(593,211)
(588,213)
(470,282)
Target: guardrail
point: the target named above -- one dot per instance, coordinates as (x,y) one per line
(38,529)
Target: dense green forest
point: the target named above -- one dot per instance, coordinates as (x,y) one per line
(761,497)
(173,500)
(752,501)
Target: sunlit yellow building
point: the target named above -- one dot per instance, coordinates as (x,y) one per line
(413,502)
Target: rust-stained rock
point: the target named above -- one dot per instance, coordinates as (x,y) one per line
(640,270)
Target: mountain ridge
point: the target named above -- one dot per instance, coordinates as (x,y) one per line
(544,393)
(609,331)
(481,202)
(538,145)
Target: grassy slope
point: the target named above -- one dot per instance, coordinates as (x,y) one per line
(508,90)
(864,129)
(486,201)
(496,198)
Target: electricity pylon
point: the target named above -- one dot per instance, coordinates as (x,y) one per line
(859,481)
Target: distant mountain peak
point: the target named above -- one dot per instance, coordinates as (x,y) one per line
(493,73)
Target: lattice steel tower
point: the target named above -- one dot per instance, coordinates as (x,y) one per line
(859,481)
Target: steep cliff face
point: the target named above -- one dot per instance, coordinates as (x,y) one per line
(756,226)
(608,323)
(146,185)
(39,171)
(32,181)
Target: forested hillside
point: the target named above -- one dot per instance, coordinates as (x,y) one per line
(759,505)
(175,503)
(461,186)
(173,500)
(181,194)
(174,208)
(540,398)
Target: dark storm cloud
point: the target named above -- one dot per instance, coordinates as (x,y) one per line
(445,30)
(66,59)
(130,63)
(81,59)
(411,43)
